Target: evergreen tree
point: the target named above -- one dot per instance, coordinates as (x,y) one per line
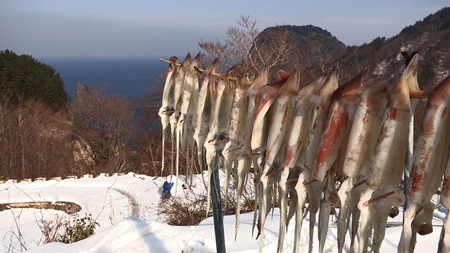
(22,77)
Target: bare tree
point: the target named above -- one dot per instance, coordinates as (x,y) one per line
(147,137)
(101,125)
(244,46)
(33,140)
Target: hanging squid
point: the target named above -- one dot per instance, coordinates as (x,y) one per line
(236,130)
(387,163)
(299,139)
(244,154)
(178,91)
(343,104)
(333,142)
(168,105)
(296,137)
(276,143)
(188,113)
(360,147)
(220,120)
(313,187)
(430,157)
(258,142)
(205,106)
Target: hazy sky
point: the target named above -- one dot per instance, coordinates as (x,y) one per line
(146,28)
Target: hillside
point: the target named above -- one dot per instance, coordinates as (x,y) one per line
(311,47)
(430,37)
(315,50)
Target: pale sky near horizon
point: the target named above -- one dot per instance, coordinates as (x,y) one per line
(146,28)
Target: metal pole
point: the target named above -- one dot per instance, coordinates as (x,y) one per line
(217,207)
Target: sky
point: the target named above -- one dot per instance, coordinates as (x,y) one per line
(147,28)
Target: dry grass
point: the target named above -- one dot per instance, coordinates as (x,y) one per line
(191,211)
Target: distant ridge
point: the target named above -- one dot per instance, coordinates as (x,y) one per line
(312,46)
(429,37)
(316,49)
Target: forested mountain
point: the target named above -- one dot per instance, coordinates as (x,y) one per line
(309,48)
(429,37)
(315,49)
(23,78)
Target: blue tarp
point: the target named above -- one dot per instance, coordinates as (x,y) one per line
(167,186)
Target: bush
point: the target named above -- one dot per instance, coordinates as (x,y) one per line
(190,212)
(177,212)
(77,229)
(50,229)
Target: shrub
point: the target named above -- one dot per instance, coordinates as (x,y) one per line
(191,211)
(177,212)
(50,229)
(77,229)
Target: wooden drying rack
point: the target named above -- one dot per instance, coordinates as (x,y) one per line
(413,94)
(200,70)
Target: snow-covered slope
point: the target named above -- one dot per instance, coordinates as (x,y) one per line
(125,207)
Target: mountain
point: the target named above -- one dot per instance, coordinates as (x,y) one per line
(429,37)
(310,47)
(315,50)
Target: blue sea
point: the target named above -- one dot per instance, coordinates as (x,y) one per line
(131,77)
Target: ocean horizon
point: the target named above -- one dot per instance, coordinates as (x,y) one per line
(127,77)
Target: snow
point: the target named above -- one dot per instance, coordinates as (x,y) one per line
(126,209)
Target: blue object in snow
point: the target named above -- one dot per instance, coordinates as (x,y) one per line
(167,186)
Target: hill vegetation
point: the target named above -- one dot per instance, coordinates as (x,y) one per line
(312,49)
(429,37)
(43,134)
(24,78)
(316,50)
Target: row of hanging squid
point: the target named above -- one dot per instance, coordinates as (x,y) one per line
(320,146)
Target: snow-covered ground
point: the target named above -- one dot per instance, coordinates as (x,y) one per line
(126,209)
